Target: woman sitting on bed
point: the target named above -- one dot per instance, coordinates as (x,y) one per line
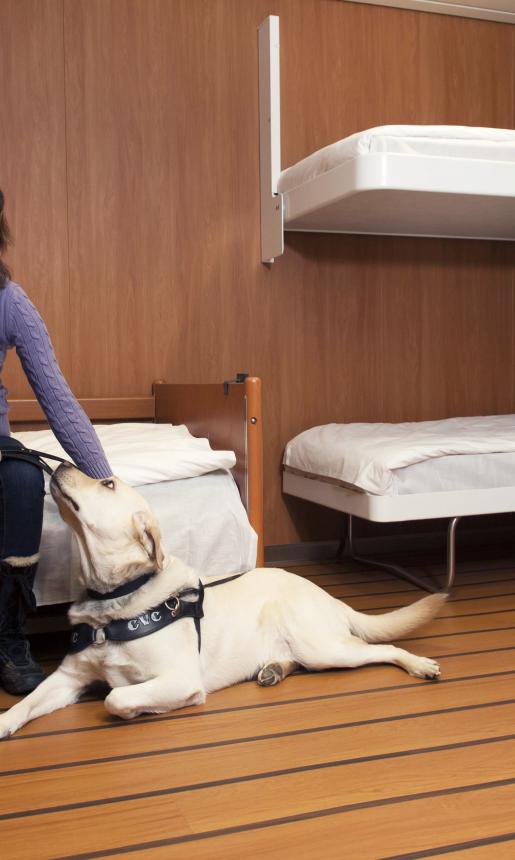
(21,483)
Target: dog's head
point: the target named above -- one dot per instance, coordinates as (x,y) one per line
(118,535)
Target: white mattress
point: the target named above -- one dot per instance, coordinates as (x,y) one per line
(202,520)
(493,144)
(409,457)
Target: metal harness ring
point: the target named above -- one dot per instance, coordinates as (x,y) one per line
(175,608)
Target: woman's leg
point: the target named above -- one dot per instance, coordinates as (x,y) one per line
(21,517)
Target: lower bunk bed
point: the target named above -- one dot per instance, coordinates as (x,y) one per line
(449,469)
(193,451)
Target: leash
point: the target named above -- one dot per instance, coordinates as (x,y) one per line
(31,456)
(127,629)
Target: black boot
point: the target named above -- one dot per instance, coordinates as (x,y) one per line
(19,673)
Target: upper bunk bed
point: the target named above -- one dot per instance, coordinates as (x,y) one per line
(397,180)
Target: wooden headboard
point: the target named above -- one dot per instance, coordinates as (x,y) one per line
(228,414)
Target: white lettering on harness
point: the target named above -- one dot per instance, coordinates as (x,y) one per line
(145,619)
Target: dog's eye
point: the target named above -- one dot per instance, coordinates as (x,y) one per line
(109,484)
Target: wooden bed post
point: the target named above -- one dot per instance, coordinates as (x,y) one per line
(272,219)
(255,461)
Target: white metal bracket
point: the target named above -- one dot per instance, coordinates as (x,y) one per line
(272,226)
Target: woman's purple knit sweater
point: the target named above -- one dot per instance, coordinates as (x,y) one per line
(22,327)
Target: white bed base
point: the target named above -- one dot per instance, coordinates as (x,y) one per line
(450,505)
(377,193)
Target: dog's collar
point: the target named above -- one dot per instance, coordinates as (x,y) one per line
(122,590)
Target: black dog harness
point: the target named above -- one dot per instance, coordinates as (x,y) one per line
(128,629)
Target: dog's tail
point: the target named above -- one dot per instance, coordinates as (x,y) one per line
(396,624)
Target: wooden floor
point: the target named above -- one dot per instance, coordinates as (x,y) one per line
(365,763)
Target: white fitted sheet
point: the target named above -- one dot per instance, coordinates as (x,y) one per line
(392,459)
(493,144)
(202,520)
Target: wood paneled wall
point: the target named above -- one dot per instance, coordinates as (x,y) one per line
(129,158)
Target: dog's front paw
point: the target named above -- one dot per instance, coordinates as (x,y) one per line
(424,667)
(7,726)
(117,705)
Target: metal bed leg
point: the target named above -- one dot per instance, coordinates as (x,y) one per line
(348,552)
(451,552)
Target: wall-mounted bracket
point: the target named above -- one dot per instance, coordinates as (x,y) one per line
(272,226)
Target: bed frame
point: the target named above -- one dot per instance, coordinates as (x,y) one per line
(451,505)
(387,194)
(228,414)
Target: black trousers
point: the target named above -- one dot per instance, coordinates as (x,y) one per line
(22,492)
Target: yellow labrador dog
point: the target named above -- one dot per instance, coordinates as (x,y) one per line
(147,628)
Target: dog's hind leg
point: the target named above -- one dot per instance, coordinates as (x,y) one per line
(353,652)
(275,672)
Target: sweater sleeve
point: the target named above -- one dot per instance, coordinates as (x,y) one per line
(27,332)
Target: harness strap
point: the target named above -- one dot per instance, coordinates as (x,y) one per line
(227,579)
(127,629)
(122,590)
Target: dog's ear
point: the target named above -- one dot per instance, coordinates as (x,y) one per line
(149,537)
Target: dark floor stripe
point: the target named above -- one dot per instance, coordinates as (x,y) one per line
(482,631)
(289,819)
(386,609)
(254,777)
(459,633)
(257,738)
(427,569)
(169,717)
(367,593)
(458,846)
(473,653)
(409,591)
(342,573)
(455,600)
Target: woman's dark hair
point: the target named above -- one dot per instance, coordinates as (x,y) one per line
(5,240)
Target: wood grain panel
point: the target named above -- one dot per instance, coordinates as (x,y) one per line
(98,409)
(33,165)
(162,193)
(450,352)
